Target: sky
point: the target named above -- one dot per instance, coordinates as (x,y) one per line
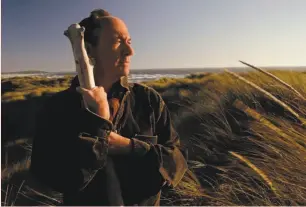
(165,33)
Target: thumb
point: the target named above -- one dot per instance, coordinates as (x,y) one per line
(80,89)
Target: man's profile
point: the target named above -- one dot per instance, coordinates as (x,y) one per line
(128,121)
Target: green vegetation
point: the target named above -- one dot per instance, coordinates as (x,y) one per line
(22,88)
(244,148)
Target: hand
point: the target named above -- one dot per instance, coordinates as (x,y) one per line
(96,100)
(118,144)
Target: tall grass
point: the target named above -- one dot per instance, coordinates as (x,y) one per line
(22,88)
(244,147)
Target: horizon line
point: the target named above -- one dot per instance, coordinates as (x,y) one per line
(195,68)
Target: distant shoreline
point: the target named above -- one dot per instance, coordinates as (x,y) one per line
(176,70)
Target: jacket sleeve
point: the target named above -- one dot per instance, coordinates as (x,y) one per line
(161,162)
(61,158)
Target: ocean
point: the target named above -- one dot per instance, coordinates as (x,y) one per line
(135,75)
(145,75)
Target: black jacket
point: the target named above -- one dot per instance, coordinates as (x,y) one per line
(63,157)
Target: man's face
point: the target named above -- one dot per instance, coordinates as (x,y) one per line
(113,51)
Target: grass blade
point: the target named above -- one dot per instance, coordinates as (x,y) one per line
(275,78)
(269,95)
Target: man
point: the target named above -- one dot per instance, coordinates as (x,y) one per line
(129,122)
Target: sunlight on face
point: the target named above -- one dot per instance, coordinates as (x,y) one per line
(114,51)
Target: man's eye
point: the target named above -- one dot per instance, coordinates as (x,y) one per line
(117,40)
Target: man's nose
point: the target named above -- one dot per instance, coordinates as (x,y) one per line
(128,50)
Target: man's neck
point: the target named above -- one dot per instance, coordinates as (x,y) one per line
(105,82)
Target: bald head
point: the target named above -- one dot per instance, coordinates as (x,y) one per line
(110,21)
(108,43)
(112,27)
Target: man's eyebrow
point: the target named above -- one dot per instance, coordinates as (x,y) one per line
(122,37)
(118,35)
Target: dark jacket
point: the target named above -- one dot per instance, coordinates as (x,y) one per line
(63,160)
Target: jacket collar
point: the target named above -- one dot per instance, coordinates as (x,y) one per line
(124,82)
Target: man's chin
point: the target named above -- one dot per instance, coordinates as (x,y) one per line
(124,70)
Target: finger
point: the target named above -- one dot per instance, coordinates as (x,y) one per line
(97,88)
(81,90)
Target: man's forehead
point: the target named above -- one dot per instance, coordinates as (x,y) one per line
(114,26)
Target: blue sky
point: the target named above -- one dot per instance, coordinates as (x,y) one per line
(165,33)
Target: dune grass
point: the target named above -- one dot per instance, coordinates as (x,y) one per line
(244,147)
(22,88)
